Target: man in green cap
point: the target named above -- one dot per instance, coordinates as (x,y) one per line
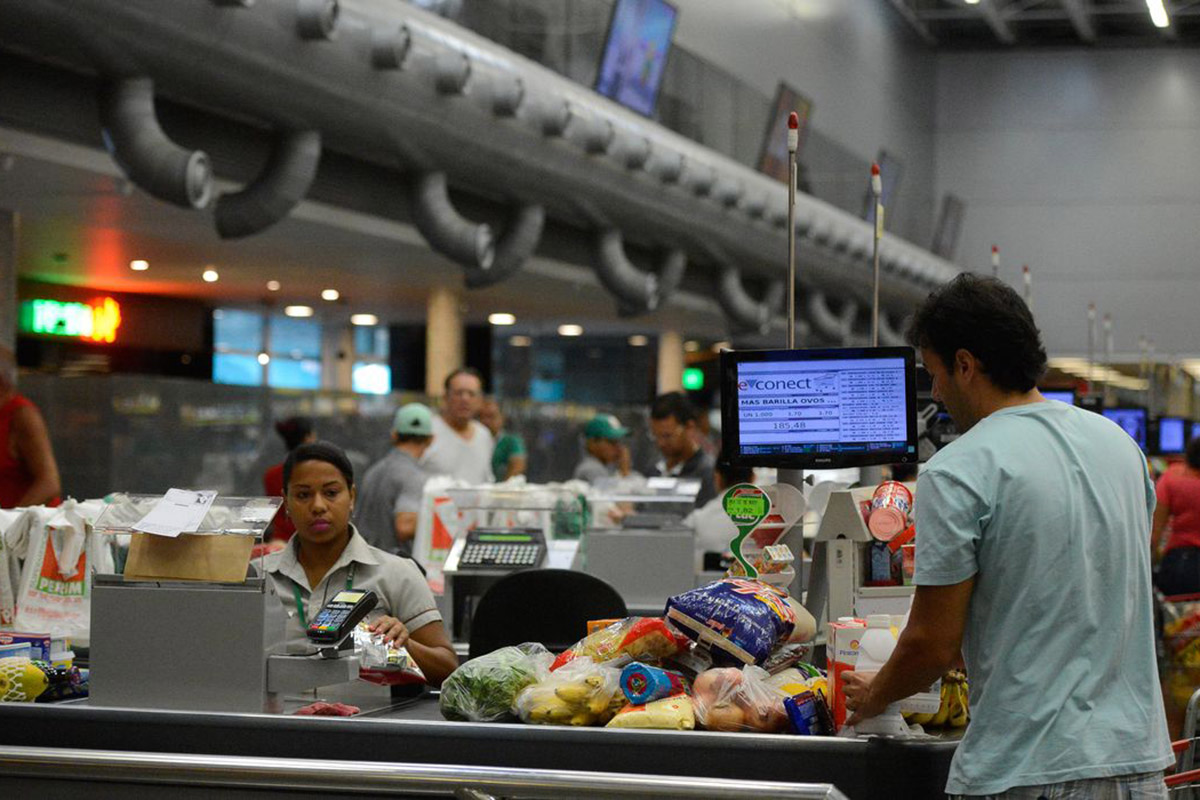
(607,454)
(389,497)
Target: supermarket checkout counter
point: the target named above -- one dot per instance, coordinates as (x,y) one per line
(413,732)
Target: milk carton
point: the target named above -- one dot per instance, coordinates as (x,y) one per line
(841,650)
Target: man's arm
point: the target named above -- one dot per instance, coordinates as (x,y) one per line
(34,452)
(928,647)
(405,525)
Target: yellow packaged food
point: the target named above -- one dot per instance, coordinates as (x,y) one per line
(670,713)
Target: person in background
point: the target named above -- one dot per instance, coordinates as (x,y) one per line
(508,456)
(392,487)
(713,527)
(1031,560)
(328,555)
(1178,512)
(673,424)
(462,446)
(28,471)
(607,451)
(294,431)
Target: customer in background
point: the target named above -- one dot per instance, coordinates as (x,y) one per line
(28,471)
(294,431)
(392,487)
(673,424)
(328,555)
(1175,535)
(508,456)
(1031,560)
(462,446)
(713,527)
(607,456)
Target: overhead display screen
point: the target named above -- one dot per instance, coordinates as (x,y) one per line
(1061,395)
(1132,420)
(635,54)
(809,409)
(1172,435)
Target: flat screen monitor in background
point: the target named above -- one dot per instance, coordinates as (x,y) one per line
(635,53)
(1132,419)
(1194,430)
(890,169)
(1061,395)
(1171,436)
(819,409)
(949,225)
(773,158)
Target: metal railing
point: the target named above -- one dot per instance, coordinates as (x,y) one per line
(176,769)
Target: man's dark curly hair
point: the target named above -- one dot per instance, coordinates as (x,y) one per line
(989,320)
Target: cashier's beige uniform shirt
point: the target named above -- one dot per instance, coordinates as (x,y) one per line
(399,584)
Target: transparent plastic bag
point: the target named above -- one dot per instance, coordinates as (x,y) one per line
(580,693)
(646,639)
(484,689)
(732,699)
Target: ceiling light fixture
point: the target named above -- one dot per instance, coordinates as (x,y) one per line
(264,359)
(1158,13)
(570,330)
(330,294)
(272,286)
(520,341)
(210,275)
(691,346)
(298,311)
(501,318)
(637,340)
(971,2)
(364,319)
(139,265)
(719,346)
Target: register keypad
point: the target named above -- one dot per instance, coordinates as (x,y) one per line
(501,555)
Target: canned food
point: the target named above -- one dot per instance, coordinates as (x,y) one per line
(890,506)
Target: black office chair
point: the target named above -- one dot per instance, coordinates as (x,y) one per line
(551,606)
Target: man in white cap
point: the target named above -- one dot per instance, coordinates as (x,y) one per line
(389,497)
(607,454)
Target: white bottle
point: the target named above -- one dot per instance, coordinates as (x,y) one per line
(874,649)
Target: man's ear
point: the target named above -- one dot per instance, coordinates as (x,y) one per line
(965,364)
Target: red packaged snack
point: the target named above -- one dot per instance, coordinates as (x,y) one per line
(631,639)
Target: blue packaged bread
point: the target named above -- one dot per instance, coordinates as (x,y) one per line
(740,621)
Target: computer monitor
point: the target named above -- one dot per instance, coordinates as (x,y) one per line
(1194,430)
(635,53)
(1061,395)
(1132,419)
(1171,436)
(819,409)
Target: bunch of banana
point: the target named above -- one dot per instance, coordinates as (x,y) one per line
(589,701)
(953,711)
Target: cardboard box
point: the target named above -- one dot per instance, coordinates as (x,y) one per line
(841,650)
(221,558)
(39,643)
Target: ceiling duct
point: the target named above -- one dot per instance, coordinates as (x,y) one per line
(281,185)
(743,311)
(389,48)
(471,244)
(517,243)
(136,141)
(889,336)
(838,327)
(317,19)
(637,292)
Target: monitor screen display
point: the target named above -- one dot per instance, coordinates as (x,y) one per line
(635,54)
(773,159)
(1133,420)
(1172,433)
(1061,395)
(819,409)
(1195,431)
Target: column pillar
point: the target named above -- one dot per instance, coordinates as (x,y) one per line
(337,357)
(10,228)
(443,338)
(670,361)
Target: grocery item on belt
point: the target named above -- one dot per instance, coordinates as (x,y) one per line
(484,688)
(643,684)
(808,715)
(21,680)
(630,639)
(322,709)
(740,620)
(65,682)
(890,506)
(670,713)
(579,693)
(733,699)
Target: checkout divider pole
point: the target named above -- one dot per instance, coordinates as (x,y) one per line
(793,477)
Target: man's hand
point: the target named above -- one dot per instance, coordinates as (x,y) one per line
(859,698)
(392,630)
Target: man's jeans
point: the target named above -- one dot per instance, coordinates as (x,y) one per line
(1146,786)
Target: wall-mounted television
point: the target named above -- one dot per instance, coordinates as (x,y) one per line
(819,409)
(1132,419)
(949,226)
(773,157)
(1061,395)
(1194,430)
(1170,436)
(635,53)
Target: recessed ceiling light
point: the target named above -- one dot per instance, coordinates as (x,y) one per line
(500,318)
(691,346)
(264,359)
(210,275)
(330,294)
(364,319)
(272,286)
(298,311)
(520,341)
(637,340)
(139,265)
(570,330)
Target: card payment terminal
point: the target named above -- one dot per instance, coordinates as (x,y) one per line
(503,548)
(339,616)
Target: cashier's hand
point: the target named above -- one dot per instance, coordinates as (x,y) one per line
(859,697)
(391,629)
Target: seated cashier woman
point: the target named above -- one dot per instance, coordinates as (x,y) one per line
(328,555)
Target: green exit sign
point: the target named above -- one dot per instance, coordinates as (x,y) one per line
(693,379)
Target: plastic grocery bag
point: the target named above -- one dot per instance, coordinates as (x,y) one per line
(740,621)
(648,639)
(10,572)
(580,693)
(732,699)
(485,689)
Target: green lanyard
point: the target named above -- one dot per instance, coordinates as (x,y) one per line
(300,600)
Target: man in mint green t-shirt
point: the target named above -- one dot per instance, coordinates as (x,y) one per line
(1033,559)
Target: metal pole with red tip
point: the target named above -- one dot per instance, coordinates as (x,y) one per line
(877,193)
(995,261)
(793,142)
